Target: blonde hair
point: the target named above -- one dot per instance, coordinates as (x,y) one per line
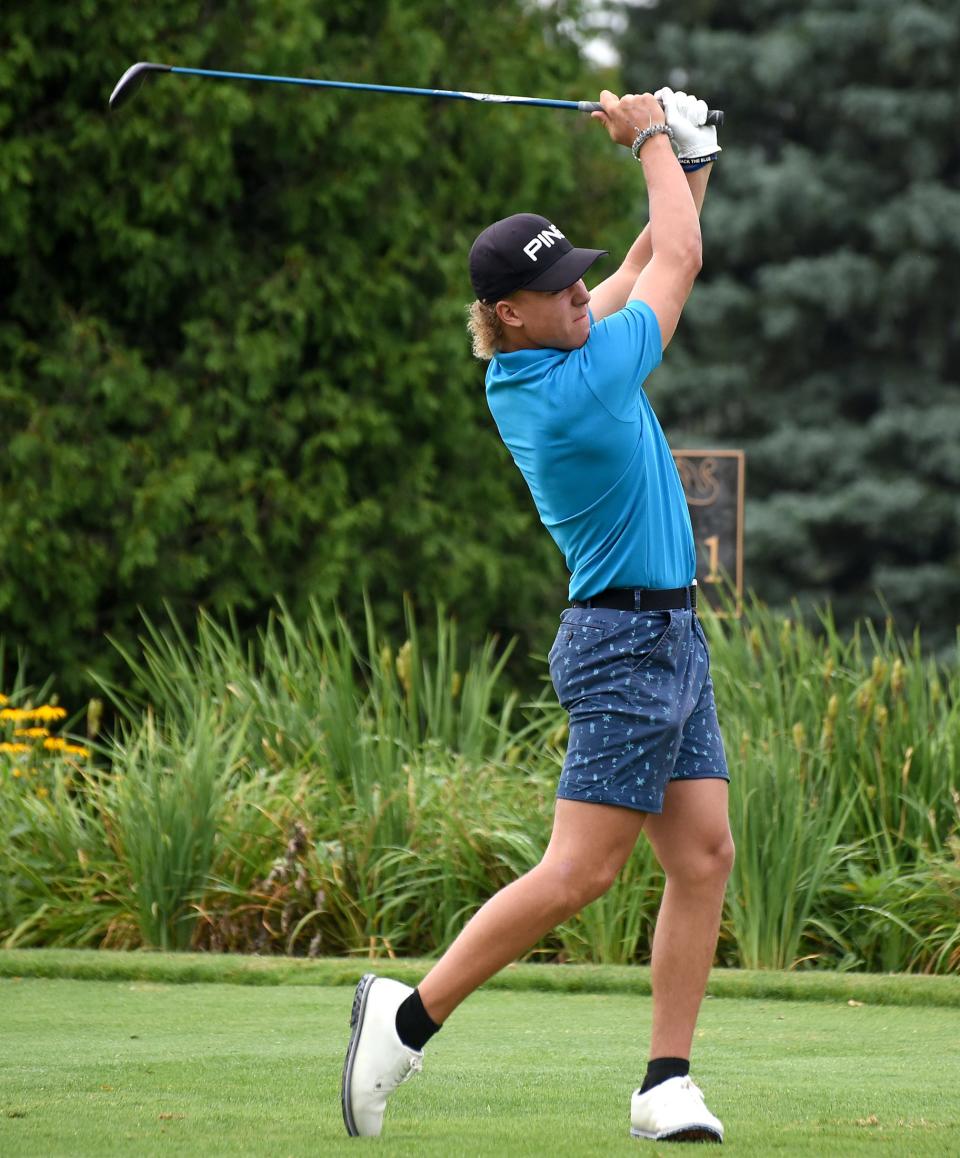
(485,329)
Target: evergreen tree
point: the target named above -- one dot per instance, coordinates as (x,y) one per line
(824,333)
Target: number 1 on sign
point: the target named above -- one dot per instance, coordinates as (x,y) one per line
(713,548)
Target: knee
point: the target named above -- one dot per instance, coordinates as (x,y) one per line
(707,866)
(575,884)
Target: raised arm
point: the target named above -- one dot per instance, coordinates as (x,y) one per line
(613,293)
(694,141)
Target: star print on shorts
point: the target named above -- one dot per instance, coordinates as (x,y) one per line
(638,691)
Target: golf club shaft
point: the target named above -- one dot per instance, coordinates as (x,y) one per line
(134,75)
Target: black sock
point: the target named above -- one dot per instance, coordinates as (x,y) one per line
(415,1026)
(661,1069)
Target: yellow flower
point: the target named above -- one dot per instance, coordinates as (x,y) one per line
(14,749)
(77,750)
(15,714)
(43,792)
(46,712)
(54,744)
(3,700)
(32,733)
(17,773)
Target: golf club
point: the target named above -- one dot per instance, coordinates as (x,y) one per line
(136,73)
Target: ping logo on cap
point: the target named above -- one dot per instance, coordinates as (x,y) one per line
(544,239)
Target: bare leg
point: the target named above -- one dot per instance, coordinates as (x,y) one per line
(589,845)
(693,844)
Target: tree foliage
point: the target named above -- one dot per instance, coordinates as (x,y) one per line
(824,335)
(233,352)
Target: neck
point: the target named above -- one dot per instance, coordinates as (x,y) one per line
(512,342)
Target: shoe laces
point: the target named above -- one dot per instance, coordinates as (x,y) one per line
(408,1066)
(689,1084)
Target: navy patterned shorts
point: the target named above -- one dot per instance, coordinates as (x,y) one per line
(638,691)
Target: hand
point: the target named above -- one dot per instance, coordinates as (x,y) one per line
(686,115)
(624,117)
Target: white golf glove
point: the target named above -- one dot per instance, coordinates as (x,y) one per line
(686,115)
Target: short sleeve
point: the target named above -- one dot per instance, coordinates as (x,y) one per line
(622,350)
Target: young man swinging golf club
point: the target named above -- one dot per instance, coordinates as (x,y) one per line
(629,664)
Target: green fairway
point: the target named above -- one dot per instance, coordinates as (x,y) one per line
(140,1067)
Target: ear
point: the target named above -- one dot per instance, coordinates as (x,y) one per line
(507,313)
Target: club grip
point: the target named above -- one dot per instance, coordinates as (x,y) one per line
(714,116)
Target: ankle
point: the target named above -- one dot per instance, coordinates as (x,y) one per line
(415,1026)
(662,1069)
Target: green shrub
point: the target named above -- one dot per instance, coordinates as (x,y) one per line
(317,793)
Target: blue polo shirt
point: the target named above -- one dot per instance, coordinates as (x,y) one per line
(582,432)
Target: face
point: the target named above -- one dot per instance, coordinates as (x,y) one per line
(556,321)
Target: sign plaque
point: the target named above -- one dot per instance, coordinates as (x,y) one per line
(713,483)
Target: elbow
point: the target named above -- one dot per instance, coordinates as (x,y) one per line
(691,255)
(690,261)
(686,256)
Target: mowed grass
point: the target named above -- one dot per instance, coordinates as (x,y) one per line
(146,1068)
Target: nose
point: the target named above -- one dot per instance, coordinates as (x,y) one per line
(581,295)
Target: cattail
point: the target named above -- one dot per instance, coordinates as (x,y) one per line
(456,682)
(880,716)
(897,677)
(94,718)
(878,670)
(799,736)
(826,734)
(559,734)
(405,666)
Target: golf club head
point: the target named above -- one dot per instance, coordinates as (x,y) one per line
(132,79)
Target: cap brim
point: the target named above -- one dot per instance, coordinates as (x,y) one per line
(570,268)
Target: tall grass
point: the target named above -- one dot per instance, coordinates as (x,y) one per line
(161,807)
(846,777)
(322,790)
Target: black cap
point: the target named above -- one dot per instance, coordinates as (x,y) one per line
(525,251)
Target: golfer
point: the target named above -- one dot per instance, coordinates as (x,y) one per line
(630,664)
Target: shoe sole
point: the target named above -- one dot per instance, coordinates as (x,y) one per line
(685,1134)
(356,1024)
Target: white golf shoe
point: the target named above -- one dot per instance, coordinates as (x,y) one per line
(377,1060)
(673,1111)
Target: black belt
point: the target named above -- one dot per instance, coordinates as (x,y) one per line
(639,599)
